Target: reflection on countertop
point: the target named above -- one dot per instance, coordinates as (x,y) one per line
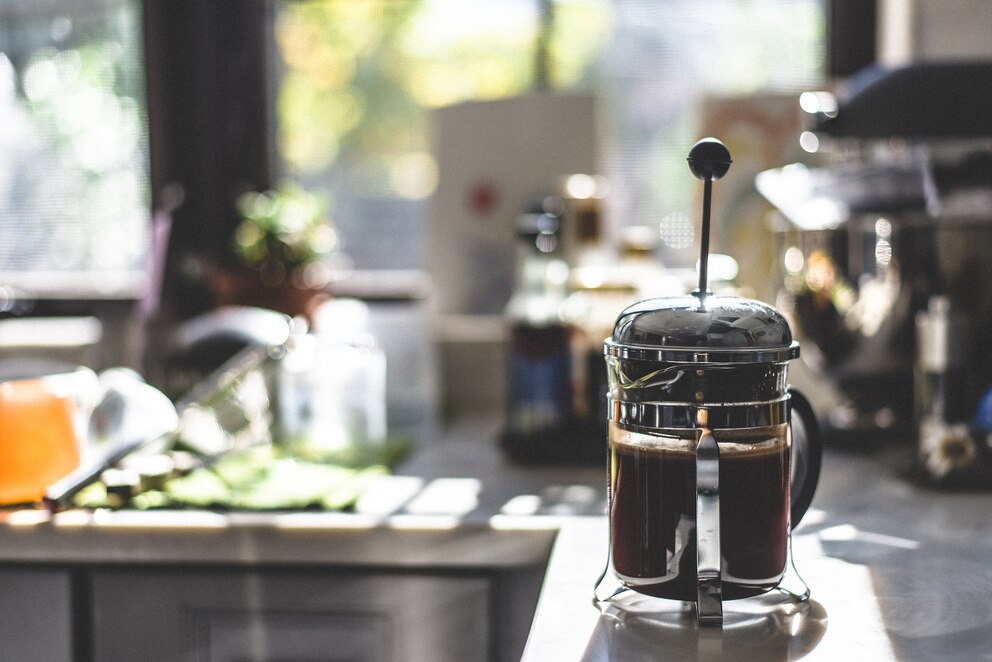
(779,632)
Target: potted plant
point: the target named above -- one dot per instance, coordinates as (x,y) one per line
(283,246)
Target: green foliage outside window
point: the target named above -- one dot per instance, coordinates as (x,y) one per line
(359,75)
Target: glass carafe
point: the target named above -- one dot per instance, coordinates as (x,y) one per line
(703,486)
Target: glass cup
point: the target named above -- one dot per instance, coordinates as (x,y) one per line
(41,427)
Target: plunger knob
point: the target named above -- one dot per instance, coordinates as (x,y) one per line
(709,159)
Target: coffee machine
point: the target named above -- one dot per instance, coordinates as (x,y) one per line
(889,221)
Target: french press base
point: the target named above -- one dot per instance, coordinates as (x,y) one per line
(756,629)
(612,596)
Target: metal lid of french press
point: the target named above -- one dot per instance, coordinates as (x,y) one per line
(701,328)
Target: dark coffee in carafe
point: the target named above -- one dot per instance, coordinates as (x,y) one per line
(653,509)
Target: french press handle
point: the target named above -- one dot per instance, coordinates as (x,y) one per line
(807,455)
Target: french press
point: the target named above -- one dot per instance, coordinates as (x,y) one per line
(704,486)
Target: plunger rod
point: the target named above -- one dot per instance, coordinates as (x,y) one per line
(704,236)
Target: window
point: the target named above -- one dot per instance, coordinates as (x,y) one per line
(73,134)
(355,81)
(353,86)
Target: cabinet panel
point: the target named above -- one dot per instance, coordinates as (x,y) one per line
(290,636)
(35,615)
(291,616)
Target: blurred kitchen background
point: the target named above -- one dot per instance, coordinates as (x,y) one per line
(320,288)
(485,185)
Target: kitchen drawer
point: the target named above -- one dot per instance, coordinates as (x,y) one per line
(35,614)
(217,615)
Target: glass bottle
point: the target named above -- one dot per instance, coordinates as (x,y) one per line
(539,388)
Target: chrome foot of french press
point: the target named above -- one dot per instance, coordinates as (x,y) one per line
(792,585)
(709,601)
(604,592)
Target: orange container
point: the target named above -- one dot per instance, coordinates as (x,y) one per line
(38,442)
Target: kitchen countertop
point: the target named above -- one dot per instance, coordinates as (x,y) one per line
(455,503)
(897,571)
